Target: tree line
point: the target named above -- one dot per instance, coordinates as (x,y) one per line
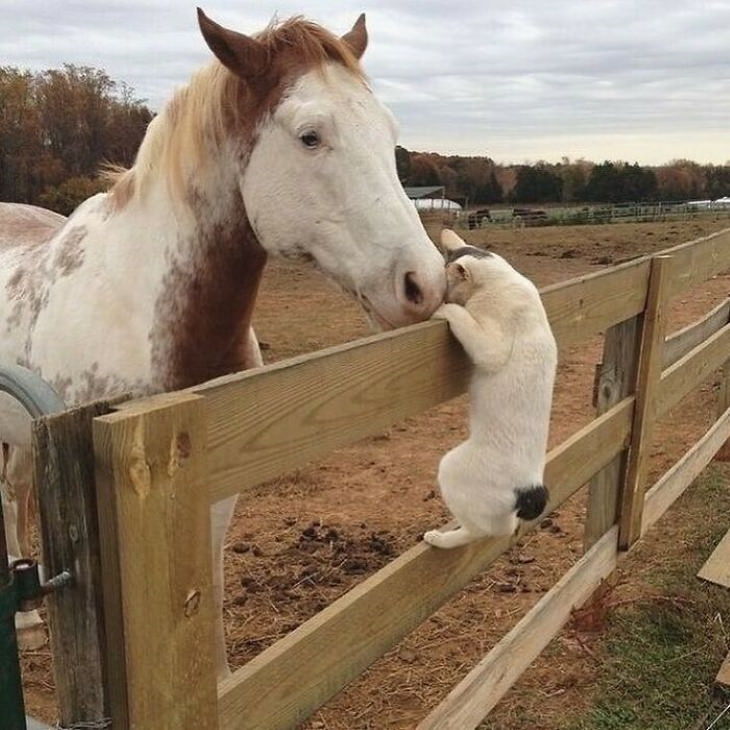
(480,180)
(58,127)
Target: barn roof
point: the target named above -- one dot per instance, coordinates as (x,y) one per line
(424,191)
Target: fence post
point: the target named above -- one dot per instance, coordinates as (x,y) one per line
(647,381)
(615,380)
(723,403)
(63,472)
(154,519)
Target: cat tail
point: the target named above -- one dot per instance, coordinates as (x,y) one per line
(531,501)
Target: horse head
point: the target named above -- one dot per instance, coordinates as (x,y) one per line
(318,176)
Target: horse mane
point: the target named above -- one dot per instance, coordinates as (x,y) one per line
(202,114)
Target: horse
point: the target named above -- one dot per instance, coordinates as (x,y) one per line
(277,147)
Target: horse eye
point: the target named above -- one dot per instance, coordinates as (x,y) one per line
(310,140)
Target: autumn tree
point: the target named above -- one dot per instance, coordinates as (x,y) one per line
(423,171)
(402,163)
(681,180)
(61,125)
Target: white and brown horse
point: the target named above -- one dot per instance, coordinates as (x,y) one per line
(278,147)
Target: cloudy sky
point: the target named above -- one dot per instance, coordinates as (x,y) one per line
(517,80)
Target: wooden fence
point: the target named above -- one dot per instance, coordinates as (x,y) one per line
(152,467)
(535,215)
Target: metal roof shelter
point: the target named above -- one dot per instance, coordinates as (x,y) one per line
(429,191)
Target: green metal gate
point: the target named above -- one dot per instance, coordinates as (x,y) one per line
(20,586)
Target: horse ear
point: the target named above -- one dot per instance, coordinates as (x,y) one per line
(450,241)
(357,37)
(244,56)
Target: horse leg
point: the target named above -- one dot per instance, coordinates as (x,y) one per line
(16,491)
(221,514)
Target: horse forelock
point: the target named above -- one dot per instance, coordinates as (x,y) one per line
(297,43)
(217,106)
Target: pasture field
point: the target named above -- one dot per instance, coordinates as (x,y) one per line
(299,542)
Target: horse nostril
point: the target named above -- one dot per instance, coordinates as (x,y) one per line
(412,290)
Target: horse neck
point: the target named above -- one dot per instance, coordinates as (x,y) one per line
(208,265)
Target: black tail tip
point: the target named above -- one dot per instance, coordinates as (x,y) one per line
(531,501)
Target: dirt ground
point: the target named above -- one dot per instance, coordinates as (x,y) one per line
(302,540)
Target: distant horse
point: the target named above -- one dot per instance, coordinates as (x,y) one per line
(279,146)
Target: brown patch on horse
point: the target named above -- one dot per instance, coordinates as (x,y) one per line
(292,48)
(70,255)
(25,287)
(205,307)
(14,285)
(298,42)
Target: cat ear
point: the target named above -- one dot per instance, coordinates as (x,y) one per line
(461,271)
(450,241)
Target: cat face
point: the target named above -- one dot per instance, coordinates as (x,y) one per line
(459,282)
(466,267)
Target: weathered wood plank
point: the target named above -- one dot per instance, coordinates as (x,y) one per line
(63,472)
(156,554)
(616,380)
(589,304)
(723,675)
(647,385)
(586,305)
(673,482)
(717,567)
(696,261)
(681,342)
(470,701)
(280,417)
(723,403)
(692,370)
(288,681)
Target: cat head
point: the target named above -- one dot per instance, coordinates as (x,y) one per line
(469,268)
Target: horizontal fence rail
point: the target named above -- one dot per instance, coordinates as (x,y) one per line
(265,422)
(261,424)
(267,692)
(486,684)
(284,683)
(681,342)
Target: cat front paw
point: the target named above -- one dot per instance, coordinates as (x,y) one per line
(445,311)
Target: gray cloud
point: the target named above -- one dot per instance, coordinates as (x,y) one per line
(516,80)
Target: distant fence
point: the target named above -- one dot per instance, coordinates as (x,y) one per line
(536,215)
(160,462)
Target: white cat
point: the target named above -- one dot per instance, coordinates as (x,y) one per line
(494,478)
